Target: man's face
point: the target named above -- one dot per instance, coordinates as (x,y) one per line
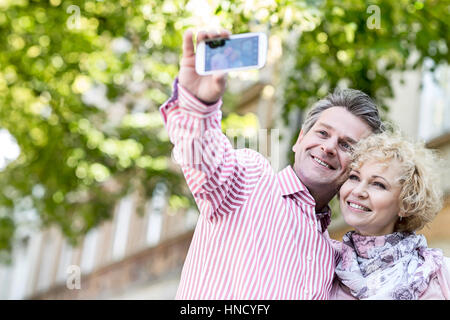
(322,155)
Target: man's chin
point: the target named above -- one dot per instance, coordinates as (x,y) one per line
(318,180)
(315,176)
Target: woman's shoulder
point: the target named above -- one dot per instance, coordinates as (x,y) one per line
(445,270)
(447,262)
(439,286)
(442,280)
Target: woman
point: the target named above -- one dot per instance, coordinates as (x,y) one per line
(391,192)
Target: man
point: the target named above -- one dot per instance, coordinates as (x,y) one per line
(260,235)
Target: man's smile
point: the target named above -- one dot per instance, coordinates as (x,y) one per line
(323,163)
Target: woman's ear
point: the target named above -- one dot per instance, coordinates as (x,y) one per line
(403,213)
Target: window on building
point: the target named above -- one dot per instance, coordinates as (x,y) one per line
(21,261)
(35,243)
(124,211)
(5,280)
(65,260)
(155,211)
(27,221)
(47,260)
(435,102)
(89,251)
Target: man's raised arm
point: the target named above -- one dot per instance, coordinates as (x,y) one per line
(219,177)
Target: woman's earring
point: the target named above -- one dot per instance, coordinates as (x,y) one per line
(401,218)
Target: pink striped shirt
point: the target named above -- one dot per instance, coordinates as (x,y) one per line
(258,235)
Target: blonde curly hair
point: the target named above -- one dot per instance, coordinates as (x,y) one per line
(420,198)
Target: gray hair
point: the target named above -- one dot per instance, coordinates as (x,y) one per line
(354,101)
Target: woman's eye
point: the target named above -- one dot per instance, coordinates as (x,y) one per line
(323,133)
(380,185)
(353,177)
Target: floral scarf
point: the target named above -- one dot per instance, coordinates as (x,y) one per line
(396,266)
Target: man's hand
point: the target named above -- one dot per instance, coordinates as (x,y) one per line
(208,89)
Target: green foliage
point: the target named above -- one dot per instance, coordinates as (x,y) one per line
(85,157)
(339,44)
(81,155)
(342,48)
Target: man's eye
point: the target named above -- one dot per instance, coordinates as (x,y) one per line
(346,146)
(353,177)
(323,133)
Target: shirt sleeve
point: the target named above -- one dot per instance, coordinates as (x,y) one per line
(219,177)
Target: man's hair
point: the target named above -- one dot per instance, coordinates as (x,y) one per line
(356,102)
(420,198)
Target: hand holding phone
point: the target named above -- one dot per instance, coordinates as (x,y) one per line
(236,52)
(208,89)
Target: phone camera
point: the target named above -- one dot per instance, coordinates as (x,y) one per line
(216,43)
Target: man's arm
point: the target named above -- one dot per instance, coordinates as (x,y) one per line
(208,89)
(219,177)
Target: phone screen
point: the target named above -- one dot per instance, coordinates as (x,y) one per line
(231,53)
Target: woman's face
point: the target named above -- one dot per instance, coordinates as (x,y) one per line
(369,199)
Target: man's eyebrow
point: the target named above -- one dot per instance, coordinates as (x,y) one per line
(347,138)
(352,141)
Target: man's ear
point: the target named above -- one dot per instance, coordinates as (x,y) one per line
(300,137)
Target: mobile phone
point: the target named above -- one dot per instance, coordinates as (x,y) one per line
(238,52)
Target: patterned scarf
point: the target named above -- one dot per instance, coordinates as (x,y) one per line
(396,266)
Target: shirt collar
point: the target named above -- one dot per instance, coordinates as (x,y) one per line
(324,218)
(289,182)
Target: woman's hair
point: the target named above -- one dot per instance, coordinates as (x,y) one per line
(420,198)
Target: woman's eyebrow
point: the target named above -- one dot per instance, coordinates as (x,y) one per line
(375,176)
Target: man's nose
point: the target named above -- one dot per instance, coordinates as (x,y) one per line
(329,147)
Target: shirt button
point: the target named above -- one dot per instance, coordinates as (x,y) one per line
(309,258)
(311,223)
(306,291)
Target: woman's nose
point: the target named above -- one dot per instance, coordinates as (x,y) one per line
(360,191)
